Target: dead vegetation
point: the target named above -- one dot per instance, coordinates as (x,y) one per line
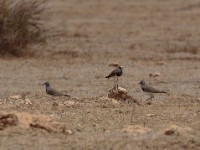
(184,48)
(20,26)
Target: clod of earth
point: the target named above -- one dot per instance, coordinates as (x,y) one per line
(15,97)
(155,74)
(176,130)
(136,129)
(30,121)
(121,94)
(115,64)
(8,120)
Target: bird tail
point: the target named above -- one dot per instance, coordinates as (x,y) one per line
(66,95)
(107,77)
(167,92)
(158,91)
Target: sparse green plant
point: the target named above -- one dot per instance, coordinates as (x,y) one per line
(20,26)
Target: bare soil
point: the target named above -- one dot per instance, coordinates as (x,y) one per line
(145,37)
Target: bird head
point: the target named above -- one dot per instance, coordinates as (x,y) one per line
(46,83)
(142,82)
(121,67)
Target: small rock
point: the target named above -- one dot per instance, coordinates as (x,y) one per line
(55,104)
(136,129)
(160,63)
(15,97)
(94,125)
(156,74)
(150,115)
(106,130)
(76,98)
(69,132)
(149,103)
(114,64)
(169,132)
(122,90)
(69,103)
(198,99)
(115,102)
(176,130)
(28,102)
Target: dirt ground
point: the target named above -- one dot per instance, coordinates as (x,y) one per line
(145,37)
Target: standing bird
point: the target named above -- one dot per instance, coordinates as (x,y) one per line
(116,73)
(52,91)
(150,90)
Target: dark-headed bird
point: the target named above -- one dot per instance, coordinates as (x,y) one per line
(116,73)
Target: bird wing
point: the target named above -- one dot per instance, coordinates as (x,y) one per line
(113,73)
(151,89)
(54,92)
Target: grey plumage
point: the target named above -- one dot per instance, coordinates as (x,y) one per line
(149,89)
(117,72)
(52,91)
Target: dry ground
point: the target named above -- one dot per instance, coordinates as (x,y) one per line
(145,36)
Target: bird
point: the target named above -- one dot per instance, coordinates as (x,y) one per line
(150,90)
(116,73)
(52,91)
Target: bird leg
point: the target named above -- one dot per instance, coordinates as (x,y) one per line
(114,87)
(151,96)
(117,83)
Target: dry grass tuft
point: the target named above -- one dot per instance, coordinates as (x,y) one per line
(185,48)
(20,26)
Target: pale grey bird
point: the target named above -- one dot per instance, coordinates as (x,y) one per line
(150,90)
(116,73)
(52,91)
